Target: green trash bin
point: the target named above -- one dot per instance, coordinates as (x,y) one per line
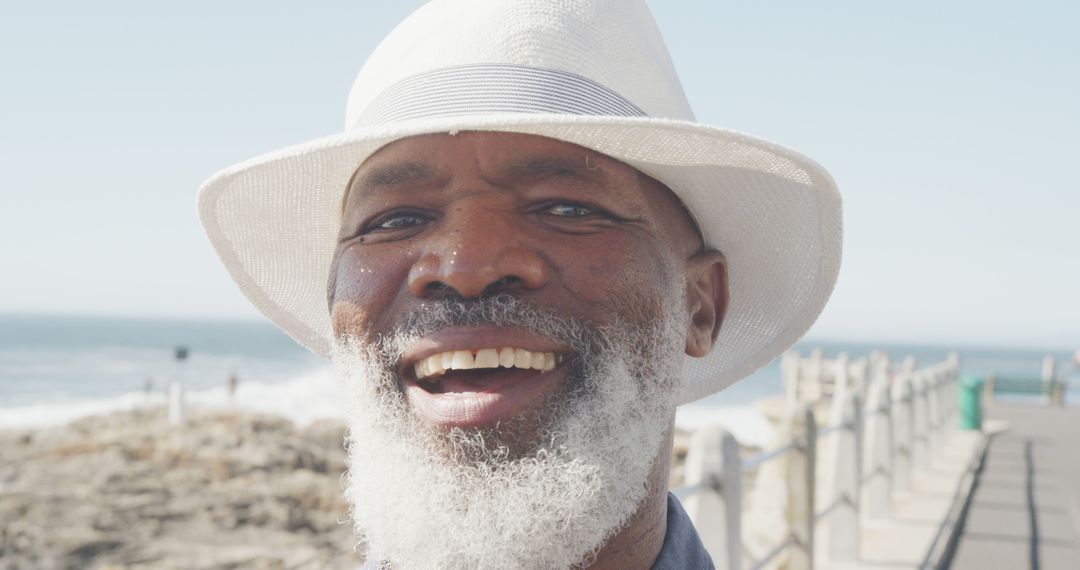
(970,402)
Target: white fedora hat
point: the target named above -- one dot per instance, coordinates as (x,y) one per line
(594,73)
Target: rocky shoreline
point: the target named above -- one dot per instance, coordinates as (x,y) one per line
(229,490)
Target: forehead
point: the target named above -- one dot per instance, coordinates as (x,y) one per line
(505,155)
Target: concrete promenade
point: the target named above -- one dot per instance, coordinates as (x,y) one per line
(1025,509)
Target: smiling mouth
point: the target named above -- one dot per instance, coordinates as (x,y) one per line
(476,361)
(468,387)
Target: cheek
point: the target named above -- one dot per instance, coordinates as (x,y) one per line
(363,287)
(615,272)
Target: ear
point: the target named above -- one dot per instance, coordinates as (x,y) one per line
(706,300)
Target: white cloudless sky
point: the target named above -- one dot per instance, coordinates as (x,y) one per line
(950,127)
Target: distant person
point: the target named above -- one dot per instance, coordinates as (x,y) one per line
(527,247)
(148,386)
(232,382)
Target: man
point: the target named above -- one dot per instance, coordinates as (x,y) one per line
(522,255)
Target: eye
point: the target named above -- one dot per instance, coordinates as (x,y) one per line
(573,217)
(397,221)
(569,210)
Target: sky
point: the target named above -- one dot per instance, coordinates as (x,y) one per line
(950,128)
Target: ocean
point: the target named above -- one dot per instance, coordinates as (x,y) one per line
(54,369)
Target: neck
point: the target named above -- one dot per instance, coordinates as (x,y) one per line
(637,545)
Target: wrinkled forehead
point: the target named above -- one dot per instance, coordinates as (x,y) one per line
(506,157)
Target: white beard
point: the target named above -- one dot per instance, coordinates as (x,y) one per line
(461,498)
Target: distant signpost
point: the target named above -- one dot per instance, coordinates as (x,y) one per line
(176,388)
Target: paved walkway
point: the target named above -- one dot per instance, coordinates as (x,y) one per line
(1025,511)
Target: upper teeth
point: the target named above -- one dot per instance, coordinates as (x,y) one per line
(505,357)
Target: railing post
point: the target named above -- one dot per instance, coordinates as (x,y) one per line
(1048,378)
(789,371)
(903,430)
(879,448)
(920,437)
(950,389)
(933,411)
(862,377)
(1048,368)
(810,383)
(713,458)
(846,478)
(731,491)
(841,388)
(944,401)
(907,366)
(940,376)
(801,483)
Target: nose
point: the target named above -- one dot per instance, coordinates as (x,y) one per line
(476,252)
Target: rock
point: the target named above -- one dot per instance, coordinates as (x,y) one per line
(228,490)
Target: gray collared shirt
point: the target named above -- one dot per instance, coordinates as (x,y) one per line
(682,548)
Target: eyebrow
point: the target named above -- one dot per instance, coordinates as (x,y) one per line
(541,168)
(396,175)
(576,170)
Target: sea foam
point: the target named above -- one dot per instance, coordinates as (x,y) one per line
(304,399)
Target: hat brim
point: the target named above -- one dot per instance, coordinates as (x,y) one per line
(774,214)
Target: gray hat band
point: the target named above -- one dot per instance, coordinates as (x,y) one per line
(490,89)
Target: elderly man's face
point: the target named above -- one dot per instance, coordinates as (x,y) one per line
(478,214)
(512,313)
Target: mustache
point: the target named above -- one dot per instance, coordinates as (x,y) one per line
(501,310)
